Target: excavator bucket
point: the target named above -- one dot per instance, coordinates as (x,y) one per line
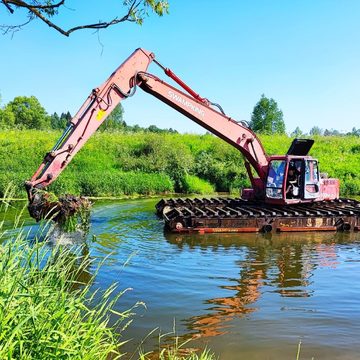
(44,205)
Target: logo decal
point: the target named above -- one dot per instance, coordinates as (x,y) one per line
(100,115)
(186,103)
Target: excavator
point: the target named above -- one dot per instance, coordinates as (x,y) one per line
(288,192)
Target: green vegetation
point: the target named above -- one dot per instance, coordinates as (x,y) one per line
(46,309)
(122,164)
(27,113)
(49,308)
(47,11)
(267,118)
(24,113)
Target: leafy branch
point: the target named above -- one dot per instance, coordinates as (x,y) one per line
(46,10)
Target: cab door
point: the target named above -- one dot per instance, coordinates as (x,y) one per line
(312,180)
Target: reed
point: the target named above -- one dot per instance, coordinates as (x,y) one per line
(47,310)
(49,305)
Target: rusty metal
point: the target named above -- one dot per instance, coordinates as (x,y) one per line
(210,215)
(297,229)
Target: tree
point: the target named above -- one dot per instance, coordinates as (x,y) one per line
(27,113)
(267,118)
(297,132)
(7,119)
(115,120)
(55,121)
(155,129)
(46,11)
(60,122)
(316,131)
(355,132)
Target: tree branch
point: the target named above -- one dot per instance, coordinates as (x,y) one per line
(13,28)
(53,6)
(45,11)
(8,6)
(21,3)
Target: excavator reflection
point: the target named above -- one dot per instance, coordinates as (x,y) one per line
(277,264)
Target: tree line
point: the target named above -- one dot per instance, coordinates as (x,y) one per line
(317,131)
(267,119)
(25,112)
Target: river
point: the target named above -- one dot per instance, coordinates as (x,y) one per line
(247,296)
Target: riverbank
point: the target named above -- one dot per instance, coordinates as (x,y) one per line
(50,307)
(121,165)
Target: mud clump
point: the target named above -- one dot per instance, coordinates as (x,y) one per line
(69,211)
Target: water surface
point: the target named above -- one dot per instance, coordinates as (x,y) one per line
(247,296)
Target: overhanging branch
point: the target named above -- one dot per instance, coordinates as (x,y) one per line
(44,11)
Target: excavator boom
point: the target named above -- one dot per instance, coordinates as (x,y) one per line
(122,84)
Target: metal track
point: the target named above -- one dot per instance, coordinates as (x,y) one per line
(237,215)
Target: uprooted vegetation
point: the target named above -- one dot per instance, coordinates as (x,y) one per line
(69,211)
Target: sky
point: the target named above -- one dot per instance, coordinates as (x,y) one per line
(304,54)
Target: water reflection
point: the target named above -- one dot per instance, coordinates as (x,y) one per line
(281,264)
(245,291)
(73,249)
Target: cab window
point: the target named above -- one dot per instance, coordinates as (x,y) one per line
(275,179)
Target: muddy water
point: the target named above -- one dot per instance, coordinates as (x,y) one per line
(243,296)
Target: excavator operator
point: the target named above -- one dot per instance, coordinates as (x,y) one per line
(292,184)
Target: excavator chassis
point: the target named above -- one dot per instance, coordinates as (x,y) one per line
(235,215)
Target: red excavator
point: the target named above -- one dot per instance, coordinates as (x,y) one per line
(287,194)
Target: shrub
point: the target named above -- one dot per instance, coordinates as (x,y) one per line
(193,184)
(114,164)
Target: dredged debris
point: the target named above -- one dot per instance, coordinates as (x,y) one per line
(69,211)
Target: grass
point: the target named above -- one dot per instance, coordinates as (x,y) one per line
(175,349)
(117,164)
(47,311)
(49,308)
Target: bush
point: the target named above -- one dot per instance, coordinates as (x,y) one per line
(115,164)
(194,185)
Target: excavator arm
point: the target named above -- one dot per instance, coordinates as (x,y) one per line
(99,104)
(200,111)
(122,84)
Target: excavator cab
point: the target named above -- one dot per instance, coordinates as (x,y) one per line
(292,180)
(295,177)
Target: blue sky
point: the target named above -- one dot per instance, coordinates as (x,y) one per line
(303,53)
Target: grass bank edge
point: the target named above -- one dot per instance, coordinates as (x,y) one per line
(121,164)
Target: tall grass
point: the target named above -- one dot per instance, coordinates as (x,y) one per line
(177,351)
(48,306)
(46,314)
(116,164)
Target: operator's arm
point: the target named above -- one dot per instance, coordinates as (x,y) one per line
(91,115)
